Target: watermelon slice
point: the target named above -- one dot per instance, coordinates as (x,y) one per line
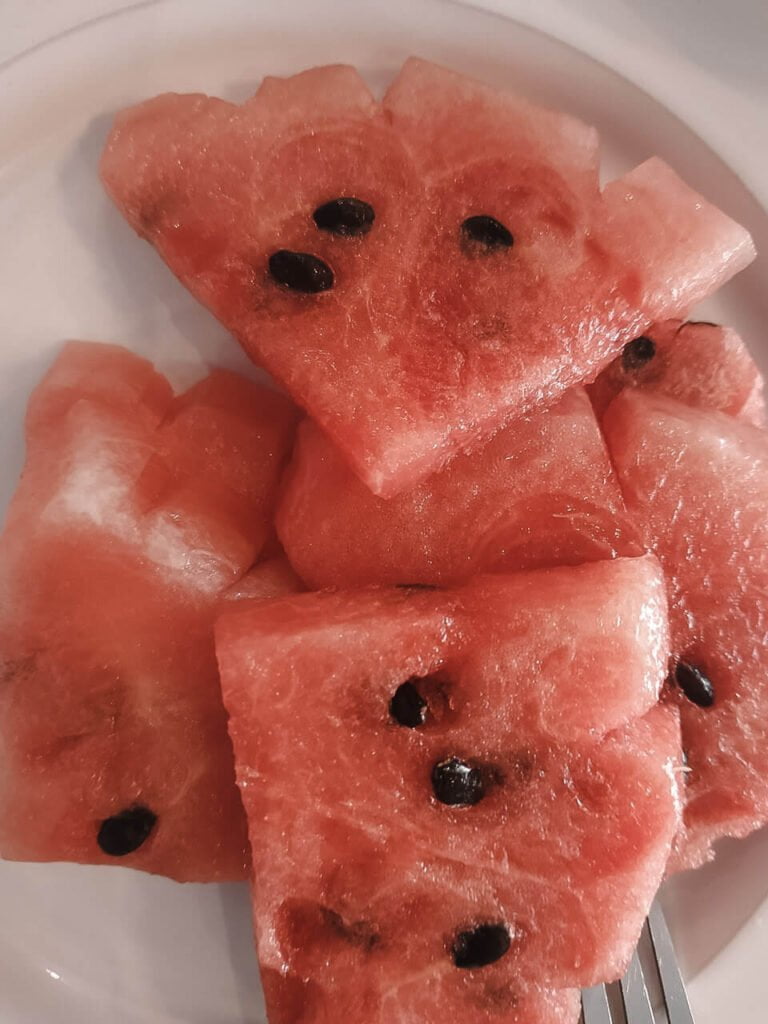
(442,818)
(509,506)
(134,512)
(697,483)
(413,272)
(265,581)
(696,362)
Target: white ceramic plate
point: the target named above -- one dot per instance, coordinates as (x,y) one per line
(89,944)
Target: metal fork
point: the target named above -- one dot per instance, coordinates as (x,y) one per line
(628,1001)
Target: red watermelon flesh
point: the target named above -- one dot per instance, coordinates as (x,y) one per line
(114,738)
(409,1000)
(683,249)
(697,483)
(431,329)
(106,376)
(509,506)
(419,1000)
(265,581)
(215,473)
(362,873)
(698,363)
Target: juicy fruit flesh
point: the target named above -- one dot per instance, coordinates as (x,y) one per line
(304,1001)
(697,484)
(518,503)
(135,510)
(698,363)
(109,698)
(357,862)
(271,578)
(492,277)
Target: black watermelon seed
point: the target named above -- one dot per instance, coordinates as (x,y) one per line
(407,706)
(486,231)
(457,783)
(416,586)
(637,353)
(345,216)
(694,684)
(125,832)
(300,271)
(481,946)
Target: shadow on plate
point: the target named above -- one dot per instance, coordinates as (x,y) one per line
(15,389)
(236,907)
(720,897)
(712,34)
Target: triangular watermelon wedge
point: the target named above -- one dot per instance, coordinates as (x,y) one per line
(512,505)
(135,511)
(697,484)
(414,272)
(439,817)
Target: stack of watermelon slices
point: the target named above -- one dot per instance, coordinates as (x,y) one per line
(510,668)
(136,514)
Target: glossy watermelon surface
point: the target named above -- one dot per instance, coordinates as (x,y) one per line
(418,1000)
(458,793)
(701,364)
(271,578)
(136,509)
(697,483)
(511,505)
(414,271)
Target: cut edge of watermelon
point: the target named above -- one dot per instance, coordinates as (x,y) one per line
(704,244)
(570,143)
(337,88)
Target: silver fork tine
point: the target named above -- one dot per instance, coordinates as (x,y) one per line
(594,1005)
(637,1005)
(672,987)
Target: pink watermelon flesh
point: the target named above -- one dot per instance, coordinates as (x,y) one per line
(697,483)
(698,363)
(265,581)
(424,339)
(420,1000)
(363,881)
(511,505)
(105,376)
(115,551)
(683,248)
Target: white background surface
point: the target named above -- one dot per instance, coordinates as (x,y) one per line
(706,62)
